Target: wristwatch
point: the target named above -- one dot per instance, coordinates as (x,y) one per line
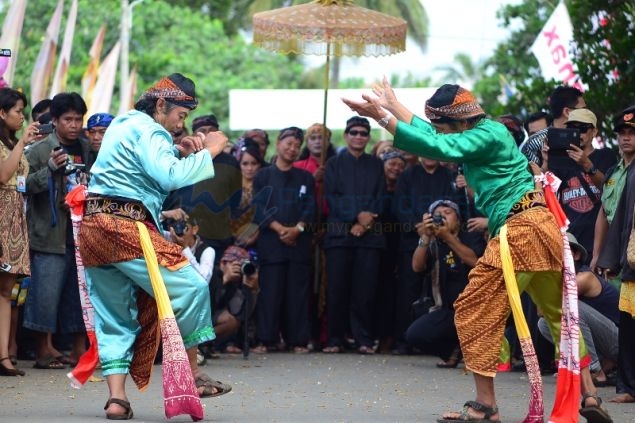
(383,122)
(422,243)
(592,171)
(300,227)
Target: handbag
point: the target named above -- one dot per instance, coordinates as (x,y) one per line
(630,247)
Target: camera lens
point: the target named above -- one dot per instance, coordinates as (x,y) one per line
(247,268)
(179,227)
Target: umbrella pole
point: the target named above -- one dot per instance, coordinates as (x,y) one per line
(326,97)
(318,195)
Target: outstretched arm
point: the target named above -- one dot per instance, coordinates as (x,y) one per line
(384,103)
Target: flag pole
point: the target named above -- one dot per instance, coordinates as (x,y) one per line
(124,66)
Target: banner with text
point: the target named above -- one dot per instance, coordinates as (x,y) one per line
(552,49)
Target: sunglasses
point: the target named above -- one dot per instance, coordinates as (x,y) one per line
(582,128)
(355,133)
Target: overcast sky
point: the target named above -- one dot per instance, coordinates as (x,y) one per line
(456,26)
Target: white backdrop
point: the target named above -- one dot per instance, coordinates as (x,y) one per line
(276,109)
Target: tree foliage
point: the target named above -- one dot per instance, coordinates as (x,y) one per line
(164,38)
(603,32)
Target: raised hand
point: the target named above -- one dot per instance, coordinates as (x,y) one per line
(190,144)
(31,134)
(385,94)
(370,107)
(214,142)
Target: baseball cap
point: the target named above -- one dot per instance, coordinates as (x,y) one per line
(583,116)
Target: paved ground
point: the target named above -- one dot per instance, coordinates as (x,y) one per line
(288,388)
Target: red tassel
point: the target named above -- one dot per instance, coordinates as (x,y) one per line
(87,363)
(565,407)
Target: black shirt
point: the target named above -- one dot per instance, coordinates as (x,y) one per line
(452,271)
(352,185)
(580,208)
(287,197)
(210,201)
(416,191)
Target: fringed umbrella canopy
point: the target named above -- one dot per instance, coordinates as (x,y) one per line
(329,27)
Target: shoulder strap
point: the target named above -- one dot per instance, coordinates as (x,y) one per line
(588,190)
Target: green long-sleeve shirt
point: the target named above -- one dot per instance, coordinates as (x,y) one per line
(493,166)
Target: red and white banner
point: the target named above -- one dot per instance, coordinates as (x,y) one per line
(61,72)
(10,38)
(552,49)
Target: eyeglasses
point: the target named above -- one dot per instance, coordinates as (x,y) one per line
(355,132)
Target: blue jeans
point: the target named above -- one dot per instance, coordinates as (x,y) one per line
(599,333)
(53,296)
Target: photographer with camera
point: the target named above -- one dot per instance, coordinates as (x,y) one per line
(184,231)
(447,252)
(581,167)
(232,289)
(53,292)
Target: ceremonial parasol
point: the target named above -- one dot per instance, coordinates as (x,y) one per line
(329,28)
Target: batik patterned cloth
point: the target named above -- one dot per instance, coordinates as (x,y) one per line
(13,225)
(483,307)
(627,297)
(106,239)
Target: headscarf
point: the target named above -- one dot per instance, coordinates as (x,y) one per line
(176,88)
(99,119)
(391,154)
(248,145)
(235,253)
(445,203)
(357,121)
(515,127)
(452,102)
(206,120)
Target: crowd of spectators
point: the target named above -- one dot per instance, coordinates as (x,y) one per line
(314,249)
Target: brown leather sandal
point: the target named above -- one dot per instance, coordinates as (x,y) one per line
(124,404)
(211,387)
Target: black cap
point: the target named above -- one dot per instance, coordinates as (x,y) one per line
(626,118)
(206,120)
(357,121)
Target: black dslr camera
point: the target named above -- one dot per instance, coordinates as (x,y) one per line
(71,167)
(247,268)
(437,219)
(179,226)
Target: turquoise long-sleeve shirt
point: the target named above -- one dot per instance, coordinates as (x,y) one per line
(493,166)
(138,160)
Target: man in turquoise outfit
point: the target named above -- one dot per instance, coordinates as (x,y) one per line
(137,166)
(504,192)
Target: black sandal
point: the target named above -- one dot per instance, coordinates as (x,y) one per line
(123,403)
(594,413)
(465,416)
